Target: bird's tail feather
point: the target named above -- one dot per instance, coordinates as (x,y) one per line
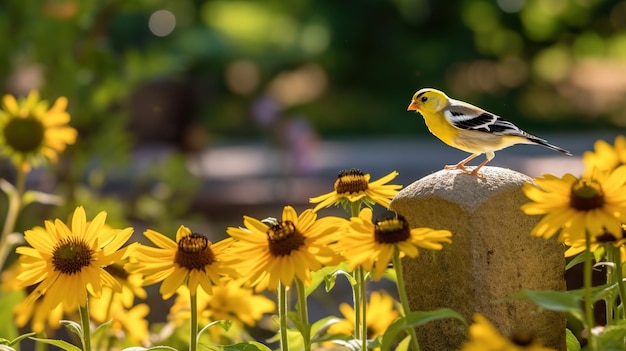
(543,142)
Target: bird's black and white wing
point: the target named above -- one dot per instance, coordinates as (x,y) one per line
(465,116)
(469,117)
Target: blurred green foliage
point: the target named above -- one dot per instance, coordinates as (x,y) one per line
(190,72)
(347,66)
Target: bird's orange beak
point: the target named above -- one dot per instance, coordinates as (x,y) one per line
(412,106)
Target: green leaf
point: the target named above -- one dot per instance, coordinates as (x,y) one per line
(225,324)
(571,341)
(153,348)
(607,292)
(599,253)
(245,346)
(319,328)
(347,274)
(101,329)
(73,327)
(414,319)
(327,275)
(329,282)
(612,338)
(555,301)
(303,328)
(32,196)
(58,343)
(20,338)
(580,258)
(350,344)
(6,344)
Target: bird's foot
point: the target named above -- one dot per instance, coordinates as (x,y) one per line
(457,166)
(464,170)
(474,172)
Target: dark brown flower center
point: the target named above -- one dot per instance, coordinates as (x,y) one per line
(71,255)
(349,182)
(607,237)
(391,228)
(24,135)
(117,271)
(283,238)
(194,252)
(586,195)
(522,339)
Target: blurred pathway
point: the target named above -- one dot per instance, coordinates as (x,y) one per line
(257,174)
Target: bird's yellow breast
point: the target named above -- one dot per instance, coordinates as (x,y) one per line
(438,126)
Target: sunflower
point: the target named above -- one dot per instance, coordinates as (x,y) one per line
(372,244)
(352,186)
(230,300)
(576,247)
(67,263)
(605,157)
(483,336)
(129,322)
(29,131)
(40,320)
(126,317)
(577,206)
(191,260)
(380,314)
(284,249)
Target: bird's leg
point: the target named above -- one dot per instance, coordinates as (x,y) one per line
(475,170)
(488,157)
(461,165)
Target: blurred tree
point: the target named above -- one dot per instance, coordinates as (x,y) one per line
(346,66)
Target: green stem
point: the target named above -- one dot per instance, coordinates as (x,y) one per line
(14,206)
(587,282)
(282,316)
(618,276)
(360,278)
(85,326)
(102,343)
(193,324)
(39,346)
(303,315)
(356,298)
(359,293)
(610,308)
(404,299)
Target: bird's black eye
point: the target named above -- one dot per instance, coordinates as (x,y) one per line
(424,99)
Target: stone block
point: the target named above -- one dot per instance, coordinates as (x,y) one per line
(492,256)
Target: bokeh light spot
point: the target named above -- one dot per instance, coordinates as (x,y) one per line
(553,64)
(162,23)
(589,44)
(315,39)
(299,86)
(511,6)
(480,16)
(242,77)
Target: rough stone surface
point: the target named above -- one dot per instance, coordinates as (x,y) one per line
(492,256)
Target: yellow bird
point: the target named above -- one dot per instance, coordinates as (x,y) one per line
(469,128)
